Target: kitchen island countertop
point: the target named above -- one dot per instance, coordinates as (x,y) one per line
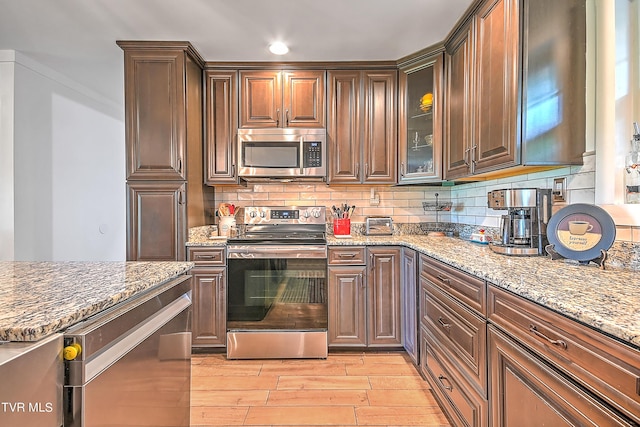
(40,298)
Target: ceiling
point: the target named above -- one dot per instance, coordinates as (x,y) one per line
(77,37)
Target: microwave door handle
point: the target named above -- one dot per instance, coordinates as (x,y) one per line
(302,156)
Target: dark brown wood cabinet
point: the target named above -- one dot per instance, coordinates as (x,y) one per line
(362,129)
(221,124)
(453,340)
(364,298)
(209,297)
(156,220)
(155,112)
(164,135)
(383,286)
(496,96)
(420,122)
(275,98)
(458,101)
(347,306)
(463,405)
(515,97)
(599,363)
(409,299)
(527,392)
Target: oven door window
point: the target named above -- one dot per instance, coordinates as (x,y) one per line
(286,294)
(271,154)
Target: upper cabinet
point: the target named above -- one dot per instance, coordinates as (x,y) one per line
(155,108)
(515,88)
(420,119)
(361,128)
(274,98)
(221,124)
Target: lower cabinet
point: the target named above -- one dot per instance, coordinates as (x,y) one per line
(409,298)
(209,297)
(364,297)
(453,341)
(526,392)
(463,404)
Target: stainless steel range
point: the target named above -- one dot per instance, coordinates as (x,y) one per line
(277,284)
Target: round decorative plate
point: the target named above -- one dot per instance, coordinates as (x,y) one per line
(581,231)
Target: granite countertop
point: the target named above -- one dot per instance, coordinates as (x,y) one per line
(606,300)
(40,298)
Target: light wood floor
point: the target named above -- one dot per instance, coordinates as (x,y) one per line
(346,389)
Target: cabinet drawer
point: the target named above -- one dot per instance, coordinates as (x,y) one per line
(468,289)
(461,402)
(206,256)
(348,255)
(524,386)
(461,334)
(605,366)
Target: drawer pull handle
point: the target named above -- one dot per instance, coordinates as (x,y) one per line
(443,323)
(442,379)
(347,255)
(534,330)
(443,279)
(205,256)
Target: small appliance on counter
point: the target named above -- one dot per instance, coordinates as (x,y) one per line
(379,226)
(524,228)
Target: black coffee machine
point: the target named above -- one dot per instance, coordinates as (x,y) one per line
(524,227)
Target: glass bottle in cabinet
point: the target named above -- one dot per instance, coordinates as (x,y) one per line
(420,130)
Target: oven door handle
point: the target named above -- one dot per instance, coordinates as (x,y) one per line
(276,251)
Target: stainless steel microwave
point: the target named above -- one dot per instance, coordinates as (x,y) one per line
(282,153)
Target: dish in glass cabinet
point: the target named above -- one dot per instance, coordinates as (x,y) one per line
(426,102)
(580,231)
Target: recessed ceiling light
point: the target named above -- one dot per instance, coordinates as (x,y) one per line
(278,48)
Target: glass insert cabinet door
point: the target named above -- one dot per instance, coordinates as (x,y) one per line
(421,120)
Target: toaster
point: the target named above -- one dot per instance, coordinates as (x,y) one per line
(379,226)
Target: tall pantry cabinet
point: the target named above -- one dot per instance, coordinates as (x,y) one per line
(163,117)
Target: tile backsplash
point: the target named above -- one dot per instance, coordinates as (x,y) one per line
(405,203)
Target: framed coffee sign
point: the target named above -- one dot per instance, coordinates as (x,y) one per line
(581,232)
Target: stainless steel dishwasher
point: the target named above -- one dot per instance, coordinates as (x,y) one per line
(134,364)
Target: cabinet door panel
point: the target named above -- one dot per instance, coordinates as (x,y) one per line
(155,120)
(344,127)
(598,362)
(462,335)
(497,67)
(409,303)
(380,135)
(209,307)
(457,127)
(260,99)
(463,405)
(384,297)
(526,392)
(303,100)
(156,224)
(347,310)
(221,121)
(420,126)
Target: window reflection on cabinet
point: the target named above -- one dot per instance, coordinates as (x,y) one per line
(420,120)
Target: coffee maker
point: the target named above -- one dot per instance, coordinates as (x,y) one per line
(524,228)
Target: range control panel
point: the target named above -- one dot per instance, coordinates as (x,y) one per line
(285,215)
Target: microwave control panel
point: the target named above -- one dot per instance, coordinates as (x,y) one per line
(312,151)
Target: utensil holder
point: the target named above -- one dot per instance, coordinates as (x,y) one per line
(225,225)
(341,226)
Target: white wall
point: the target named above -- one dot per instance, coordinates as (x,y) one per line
(6,156)
(69,169)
